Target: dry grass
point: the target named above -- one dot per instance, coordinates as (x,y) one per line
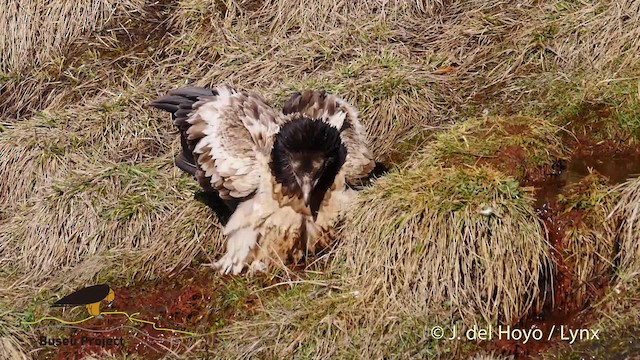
(627,213)
(45,33)
(436,248)
(490,356)
(589,239)
(111,213)
(111,127)
(88,164)
(11,349)
(41,31)
(14,342)
(321,319)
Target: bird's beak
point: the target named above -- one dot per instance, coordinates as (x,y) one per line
(306,191)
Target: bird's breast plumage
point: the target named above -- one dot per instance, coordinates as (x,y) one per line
(285,226)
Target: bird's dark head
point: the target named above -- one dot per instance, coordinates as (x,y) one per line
(307,155)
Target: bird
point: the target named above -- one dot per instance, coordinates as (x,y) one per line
(90,296)
(287,177)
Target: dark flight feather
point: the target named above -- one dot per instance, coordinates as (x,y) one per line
(179,103)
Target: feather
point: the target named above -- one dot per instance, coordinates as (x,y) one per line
(342,115)
(225,129)
(247,154)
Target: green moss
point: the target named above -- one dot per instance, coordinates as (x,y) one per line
(588,194)
(450,189)
(516,145)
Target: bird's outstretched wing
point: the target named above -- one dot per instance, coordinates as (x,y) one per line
(226,130)
(320,105)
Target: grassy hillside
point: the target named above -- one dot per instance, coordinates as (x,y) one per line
(472,104)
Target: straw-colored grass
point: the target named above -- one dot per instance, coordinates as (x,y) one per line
(589,239)
(10,349)
(14,342)
(41,30)
(324,319)
(627,213)
(37,43)
(466,238)
(88,190)
(114,127)
(111,212)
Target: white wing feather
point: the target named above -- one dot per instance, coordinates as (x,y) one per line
(230,128)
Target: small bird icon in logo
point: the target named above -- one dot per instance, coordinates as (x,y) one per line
(90,296)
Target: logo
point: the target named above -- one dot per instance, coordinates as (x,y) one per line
(90,297)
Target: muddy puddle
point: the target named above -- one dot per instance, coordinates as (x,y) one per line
(562,308)
(617,167)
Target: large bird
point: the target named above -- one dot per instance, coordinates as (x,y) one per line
(286,177)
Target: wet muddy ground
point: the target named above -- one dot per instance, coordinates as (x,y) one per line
(197,300)
(589,159)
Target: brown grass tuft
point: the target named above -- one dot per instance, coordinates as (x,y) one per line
(589,239)
(435,249)
(13,339)
(111,212)
(322,319)
(627,212)
(44,33)
(11,349)
(114,127)
(41,31)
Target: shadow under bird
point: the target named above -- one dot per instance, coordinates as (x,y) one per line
(285,178)
(90,296)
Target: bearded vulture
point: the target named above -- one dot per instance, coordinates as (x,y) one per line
(286,177)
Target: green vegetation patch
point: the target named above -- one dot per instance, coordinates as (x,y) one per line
(520,146)
(431,237)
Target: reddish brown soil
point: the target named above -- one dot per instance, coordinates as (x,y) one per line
(561,307)
(512,160)
(197,300)
(617,160)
